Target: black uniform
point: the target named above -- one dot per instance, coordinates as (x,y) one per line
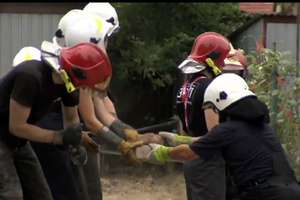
(31,85)
(205,179)
(254,155)
(56,160)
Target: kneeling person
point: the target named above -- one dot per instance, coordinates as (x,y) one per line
(249,146)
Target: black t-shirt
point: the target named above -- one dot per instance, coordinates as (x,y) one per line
(245,147)
(30,84)
(189,102)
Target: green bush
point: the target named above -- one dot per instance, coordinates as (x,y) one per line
(274,80)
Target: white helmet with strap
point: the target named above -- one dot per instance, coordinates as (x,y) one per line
(107,12)
(225,90)
(25,54)
(78,26)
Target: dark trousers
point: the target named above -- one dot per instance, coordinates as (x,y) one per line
(56,162)
(269,191)
(205,179)
(66,180)
(89,177)
(21,176)
(232,192)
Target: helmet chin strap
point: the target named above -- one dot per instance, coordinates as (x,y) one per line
(68,83)
(50,53)
(213,66)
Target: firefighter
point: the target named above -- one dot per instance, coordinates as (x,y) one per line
(204,179)
(60,173)
(234,62)
(96,109)
(248,144)
(27,91)
(74,27)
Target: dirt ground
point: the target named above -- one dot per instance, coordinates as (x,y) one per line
(146,182)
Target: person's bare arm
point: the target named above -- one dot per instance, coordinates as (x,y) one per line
(211,118)
(18,116)
(122,129)
(102,112)
(110,106)
(87,111)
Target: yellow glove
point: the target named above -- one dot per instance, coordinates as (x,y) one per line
(124,130)
(154,153)
(128,150)
(173,139)
(132,135)
(125,147)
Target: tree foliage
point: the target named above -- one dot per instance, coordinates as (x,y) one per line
(153,40)
(274,80)
(155,37)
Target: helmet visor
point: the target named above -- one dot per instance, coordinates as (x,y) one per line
(189,66)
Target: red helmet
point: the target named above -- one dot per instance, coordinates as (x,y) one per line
(210,45)
(86,64)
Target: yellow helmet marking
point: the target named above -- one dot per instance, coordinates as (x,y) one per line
(99,23)
(28,56)
(69,85)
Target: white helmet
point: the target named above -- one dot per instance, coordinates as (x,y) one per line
(63,22)
(226,89)
(78,26)
(25,54)
(107,12)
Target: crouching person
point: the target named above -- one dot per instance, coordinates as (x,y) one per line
(248,144)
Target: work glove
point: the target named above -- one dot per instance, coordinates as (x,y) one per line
(132,135)
(126,148)
(124,130)
(71,135)
(153,153)
(173,139)
(88,142)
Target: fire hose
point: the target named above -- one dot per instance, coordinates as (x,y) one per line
(79,154)
(171,125)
